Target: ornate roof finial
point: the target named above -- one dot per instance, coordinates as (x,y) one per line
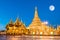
(17,20)
(10,21)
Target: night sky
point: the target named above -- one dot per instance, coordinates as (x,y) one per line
(25,10)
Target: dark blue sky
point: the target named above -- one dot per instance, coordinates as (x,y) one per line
(25,10)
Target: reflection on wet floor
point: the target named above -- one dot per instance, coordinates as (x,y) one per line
(24,37)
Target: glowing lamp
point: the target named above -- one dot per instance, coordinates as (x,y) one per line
(33,32)
(51,32)
(41,32)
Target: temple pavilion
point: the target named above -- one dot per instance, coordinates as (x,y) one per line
(16,28)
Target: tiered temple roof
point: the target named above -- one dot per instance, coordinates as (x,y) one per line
(16,28)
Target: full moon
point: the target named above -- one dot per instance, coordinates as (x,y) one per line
(51,7)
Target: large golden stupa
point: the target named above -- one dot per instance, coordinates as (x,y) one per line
(37,27)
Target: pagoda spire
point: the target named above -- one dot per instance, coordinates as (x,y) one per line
(36,12)
(36,17)
(36,20)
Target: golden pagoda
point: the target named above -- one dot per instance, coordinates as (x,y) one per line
(37,27)
(16,28)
